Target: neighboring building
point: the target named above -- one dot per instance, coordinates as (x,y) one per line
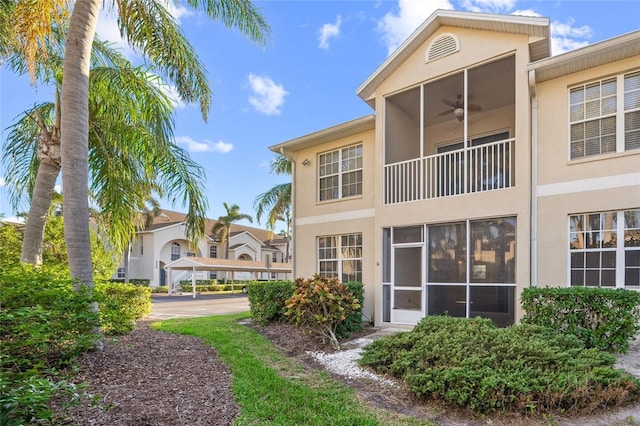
(253,254)
(489,166)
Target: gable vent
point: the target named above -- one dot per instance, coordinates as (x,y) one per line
(444,45)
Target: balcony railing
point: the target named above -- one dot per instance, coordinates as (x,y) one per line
(486,167)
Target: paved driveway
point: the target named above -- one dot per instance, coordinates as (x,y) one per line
(185,306)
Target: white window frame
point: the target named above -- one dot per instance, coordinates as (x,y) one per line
(175,251)
(341,253)
(342,166)
(620,103)
(213,251)
(622,234)
(120,273)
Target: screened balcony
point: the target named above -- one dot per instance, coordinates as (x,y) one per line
(452,136)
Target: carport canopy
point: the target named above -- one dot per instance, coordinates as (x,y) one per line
(222,265)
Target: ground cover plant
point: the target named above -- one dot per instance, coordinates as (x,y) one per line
(274,389)
(523,368)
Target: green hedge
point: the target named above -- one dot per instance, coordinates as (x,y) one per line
(607,319)
(144,282)
(121,305)
(187,287)
(267,300)
(353,323)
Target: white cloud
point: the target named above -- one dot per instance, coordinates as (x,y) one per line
(566,37)
(267,96)
(397,27)
(488,6)
(329,31)
(205,145)
(526,12)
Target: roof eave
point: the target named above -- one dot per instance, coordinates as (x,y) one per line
(591,56)
(342,130)
(533,26)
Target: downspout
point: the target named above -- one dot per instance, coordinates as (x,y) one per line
(287,155)
(534,179)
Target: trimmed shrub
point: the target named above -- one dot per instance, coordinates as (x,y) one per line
(522,368)
(267,300)
(353,321)
(44,323)
(603,318)
(161,289)
(187,287)
(121,305)
(320,304)
(144,282)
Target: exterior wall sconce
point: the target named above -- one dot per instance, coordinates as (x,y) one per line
(306,162)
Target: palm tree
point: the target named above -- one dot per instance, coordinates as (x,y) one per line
(131,144)
(276,202)
(222,228)
(147,26)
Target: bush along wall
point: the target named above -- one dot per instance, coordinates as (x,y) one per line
(121,305)
(267,300)
(353,322)
(144,282)
(607,319)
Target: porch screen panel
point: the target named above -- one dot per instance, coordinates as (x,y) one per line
(448,253)
(493,252)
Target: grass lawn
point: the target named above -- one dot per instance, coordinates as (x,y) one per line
(274,389)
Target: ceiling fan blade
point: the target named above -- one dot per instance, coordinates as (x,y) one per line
(446,102)
(474,107)
(449,111)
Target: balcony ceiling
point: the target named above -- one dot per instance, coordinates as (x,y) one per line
(490,86)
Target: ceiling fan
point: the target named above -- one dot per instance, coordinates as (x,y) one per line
(457,108)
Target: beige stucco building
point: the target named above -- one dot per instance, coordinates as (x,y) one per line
(162,254)
(487,166)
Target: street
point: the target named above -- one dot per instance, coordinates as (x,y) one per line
(185,306)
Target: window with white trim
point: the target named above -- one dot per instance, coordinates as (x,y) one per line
(340,173)
(175,251)
(605,116)
(213,252)
(141,245)
(604,249)
(120,273)
(341,256)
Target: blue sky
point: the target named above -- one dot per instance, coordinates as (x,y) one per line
(305,78)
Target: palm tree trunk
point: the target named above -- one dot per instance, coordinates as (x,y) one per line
(75,138)
(45,183)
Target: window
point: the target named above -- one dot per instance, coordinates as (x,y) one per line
(213,275)
(595,110)
(175,251)
(141,245)
(598,256)
(274,257)
(340,173)
(341,256)
(120,273)
(213,252)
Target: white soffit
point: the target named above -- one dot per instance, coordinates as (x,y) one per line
(595,55)
(535,27)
